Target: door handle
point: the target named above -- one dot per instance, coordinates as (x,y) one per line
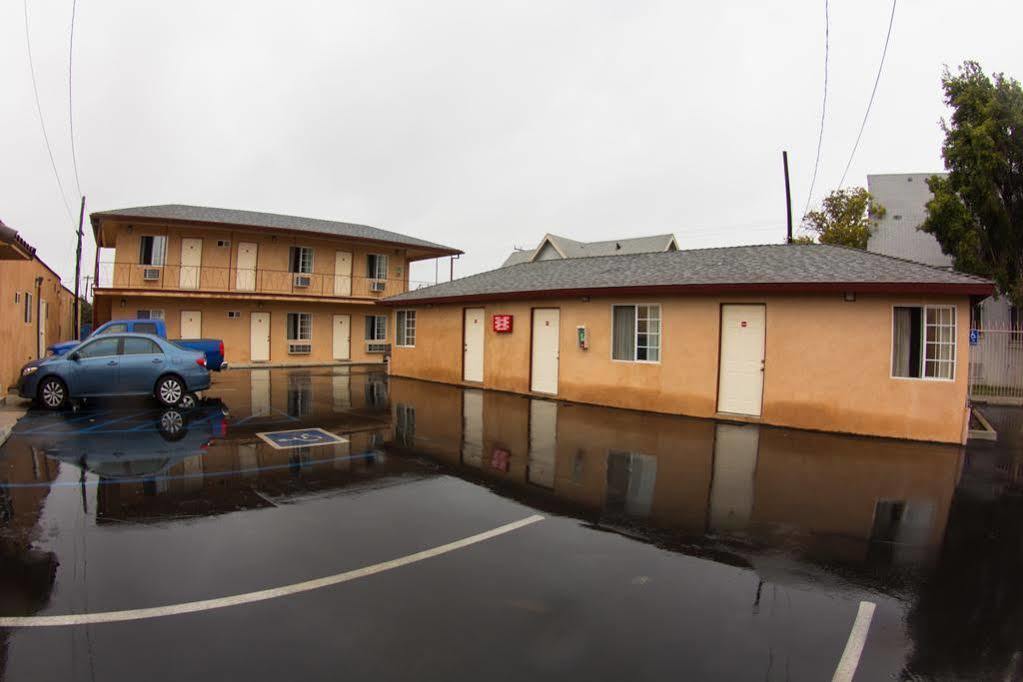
(157,361)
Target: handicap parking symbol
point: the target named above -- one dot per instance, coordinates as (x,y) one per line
(300,438)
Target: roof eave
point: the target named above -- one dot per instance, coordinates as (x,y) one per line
(946,288)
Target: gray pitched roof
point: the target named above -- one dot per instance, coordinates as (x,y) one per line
(612,247)
(781,267)
(226,216)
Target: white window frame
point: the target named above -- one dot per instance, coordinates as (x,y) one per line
(382,339)
(28,313)
(301,259)
(923,341)
(380,258)
(159,256)
(401,331)
(159,315)
(287,327)
(635,333)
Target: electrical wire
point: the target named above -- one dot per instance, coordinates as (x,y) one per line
(70,97)
(870,103)
(824,104)
(42,124)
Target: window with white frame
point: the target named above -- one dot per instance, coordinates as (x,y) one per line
(405,329)
(152,250)
(636,333)
(153,314)
(376,266)
(301,259)
(924,342)
(300,326)
(376,327)
(28,308)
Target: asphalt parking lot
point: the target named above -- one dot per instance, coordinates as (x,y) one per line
(439,533)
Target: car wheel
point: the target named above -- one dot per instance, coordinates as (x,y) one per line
(172,425)
(52,393)
(188,401)
(169,391)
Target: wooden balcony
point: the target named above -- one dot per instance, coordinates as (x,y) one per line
(190,280)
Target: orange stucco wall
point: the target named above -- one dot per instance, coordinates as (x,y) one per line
(235,332)
(827,361)
(18,338)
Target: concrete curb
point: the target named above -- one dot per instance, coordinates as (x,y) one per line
(9,416)
(291,365)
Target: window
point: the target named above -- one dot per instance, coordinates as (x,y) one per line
(234,314)
(300,326)
(152,250)
(100,348)
(137,346)
(28,308)
(301,258)
(405,425)
(119,328)
(636,333)
(405,328)
(148,315)
(223,243)
(376,327)
(145,328)
(924,342)
(376,266)
(17,297)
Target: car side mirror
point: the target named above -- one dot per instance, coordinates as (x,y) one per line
(74,357)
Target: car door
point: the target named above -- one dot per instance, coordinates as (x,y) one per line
(142,361)
(96,367)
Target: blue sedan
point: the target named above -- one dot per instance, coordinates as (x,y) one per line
(116,365)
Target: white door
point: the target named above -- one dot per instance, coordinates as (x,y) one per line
(733,484)
(341,388)
(245,277)
(259,337)
(342,337)
(342,273)
(42,327)
(741,378)
(191,259)
(472,362)
(543,436)
(259,383)
(545,350)
(472,427)
(191,324)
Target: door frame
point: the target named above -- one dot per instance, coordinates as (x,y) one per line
(351,269)
(181,326)
(465,350)
(557,378)
(763,382)
(333,335)
(269,321)
(182,266)
(238,268)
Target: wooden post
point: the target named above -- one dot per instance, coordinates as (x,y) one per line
(78,271)
(788,197)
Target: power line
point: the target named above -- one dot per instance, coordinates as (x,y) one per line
(70,100)
(39,111)
(884,52)
(824,104)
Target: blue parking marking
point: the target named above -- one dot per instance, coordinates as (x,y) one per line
(300,438)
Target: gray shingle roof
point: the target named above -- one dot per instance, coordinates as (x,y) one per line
(612,247)
(226,216)
(778,267)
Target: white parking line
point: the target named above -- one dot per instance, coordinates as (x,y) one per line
(854,647)
(261,595)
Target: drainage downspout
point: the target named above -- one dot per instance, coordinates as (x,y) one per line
(39,307)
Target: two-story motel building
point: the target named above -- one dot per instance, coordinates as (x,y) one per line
(276,289)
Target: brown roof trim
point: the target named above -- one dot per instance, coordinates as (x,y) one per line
(961,289)
(97,218)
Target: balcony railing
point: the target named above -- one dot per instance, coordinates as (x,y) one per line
(206,278)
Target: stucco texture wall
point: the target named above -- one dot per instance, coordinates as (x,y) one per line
(827,361)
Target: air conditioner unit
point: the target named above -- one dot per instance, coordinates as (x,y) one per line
(378,348)
(303,280)
(151,274)
(377,285)
(299,348)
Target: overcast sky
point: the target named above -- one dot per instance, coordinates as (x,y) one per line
(477,124)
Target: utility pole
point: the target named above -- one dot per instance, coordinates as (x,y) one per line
(78,270)
(788,196)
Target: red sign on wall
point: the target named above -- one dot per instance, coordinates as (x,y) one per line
(502,324)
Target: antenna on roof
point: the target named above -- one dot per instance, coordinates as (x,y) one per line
(788,196)
(618,246)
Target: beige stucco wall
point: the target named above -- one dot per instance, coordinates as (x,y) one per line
(219,263)
(19,339)
(828,361)
(235,332)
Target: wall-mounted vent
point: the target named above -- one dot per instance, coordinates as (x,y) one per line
(378,348)
(378,285)
(303,281)
(150,274)
(299,348)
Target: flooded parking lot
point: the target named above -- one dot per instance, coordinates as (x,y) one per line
(668,547)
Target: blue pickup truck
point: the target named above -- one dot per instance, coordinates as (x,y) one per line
(213,349)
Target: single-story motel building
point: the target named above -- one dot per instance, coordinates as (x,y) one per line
(807,336)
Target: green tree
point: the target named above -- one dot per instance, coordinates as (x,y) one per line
(846,218)
(977,210)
